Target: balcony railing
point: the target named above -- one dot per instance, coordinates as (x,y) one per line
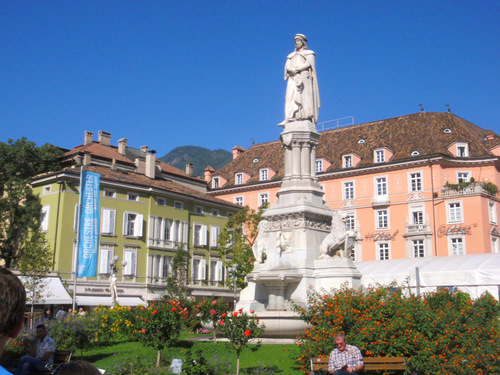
(418,228)
(472,189)
(380,200)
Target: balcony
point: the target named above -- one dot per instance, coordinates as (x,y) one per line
(417,229)
(463,189)
(380,200)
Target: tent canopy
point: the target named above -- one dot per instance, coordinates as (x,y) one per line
(108,301)
(53,292)
(473,274)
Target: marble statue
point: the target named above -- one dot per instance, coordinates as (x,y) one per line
(112,289)
(336,242)
(260,244)
(302,94)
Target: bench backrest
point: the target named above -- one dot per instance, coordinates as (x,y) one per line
(62,356)
(371,363)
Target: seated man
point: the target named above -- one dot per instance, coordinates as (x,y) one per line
(346,359)
(44,353)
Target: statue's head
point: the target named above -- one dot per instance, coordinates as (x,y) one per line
(300,41)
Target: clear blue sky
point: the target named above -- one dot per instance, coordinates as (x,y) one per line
(210,73)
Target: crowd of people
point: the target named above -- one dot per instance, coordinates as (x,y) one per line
(12,307)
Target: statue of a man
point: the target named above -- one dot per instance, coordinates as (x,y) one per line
(302,94)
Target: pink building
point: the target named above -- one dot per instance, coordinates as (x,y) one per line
(413,186)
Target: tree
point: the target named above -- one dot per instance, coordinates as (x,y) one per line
(20,208)
(211,311)
(237,238)
(176,281)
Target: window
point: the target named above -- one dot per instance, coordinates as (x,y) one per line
(457,246)
(462,150)
(198,269)
(415,153)
(347,161)
(379,156)
(161,201)
(416,181)
(215,183)
(178,205)
(350,222)
(198,209)
(215,212)
(263,174)
(199,234)
(131,258)
(418,248)
(44,219)
(381,185)
(383,251)
(133,197)
(492,210)
(163,232)
(494,244)
(215,270)
(319,166)
(454,212)
(46,189)
(463,177)
(238,201)
(132,224)
(263,198)
(382,217)
(106,256)
(348,190)
(108,220)
(417,217)
(214,236)
(109,193)
(238,179)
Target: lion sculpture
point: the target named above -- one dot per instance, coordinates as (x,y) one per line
(335,243)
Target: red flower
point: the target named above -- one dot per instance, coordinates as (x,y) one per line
(223,315)
(235,313)
(240,310)
(154,312)
(248,332)
(143,330)
(212,311)
(173,308)
(252,311)
(221,322)
(214,302)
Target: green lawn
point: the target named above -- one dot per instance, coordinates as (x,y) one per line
(281,356)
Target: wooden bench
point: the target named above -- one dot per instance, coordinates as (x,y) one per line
(371,364)
(61,356)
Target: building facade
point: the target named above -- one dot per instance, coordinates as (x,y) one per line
(414,186)
(148,211)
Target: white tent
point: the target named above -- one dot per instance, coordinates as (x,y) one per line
(53,291)
(473,274)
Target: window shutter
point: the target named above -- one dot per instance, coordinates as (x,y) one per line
(218,270)
(214,236)
(203,264)
(186,232)
(76,222)
(138,225)
(125,223)
(179,231)
(174,230)
(203,235)
(106,256)
(44,222)
(128,259)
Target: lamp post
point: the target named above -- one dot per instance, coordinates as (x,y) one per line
(112,280)
(233,270)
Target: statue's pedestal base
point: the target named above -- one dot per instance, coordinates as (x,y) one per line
(336,272)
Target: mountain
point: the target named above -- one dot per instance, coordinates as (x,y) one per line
(200,157)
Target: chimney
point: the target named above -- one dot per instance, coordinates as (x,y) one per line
(209,171)
(150,171)
(490,136)
(144,149)
(88,137)
(104,138)
(189,169)
(122,146)
(237,151)
(87,157)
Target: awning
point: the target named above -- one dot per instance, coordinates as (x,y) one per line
(108,301)
(52,291)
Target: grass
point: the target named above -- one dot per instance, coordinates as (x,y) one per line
(281,356)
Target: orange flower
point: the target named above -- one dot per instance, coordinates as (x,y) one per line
(235,313)
(154,312)
(223,315)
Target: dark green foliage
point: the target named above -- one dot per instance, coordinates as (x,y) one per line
(200,157)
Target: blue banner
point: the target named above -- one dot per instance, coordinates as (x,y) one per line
(88,239)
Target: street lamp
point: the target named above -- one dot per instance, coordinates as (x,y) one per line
(112,280)
(233,270)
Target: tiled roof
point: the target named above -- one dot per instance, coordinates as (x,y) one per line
(141,180)
(402,135)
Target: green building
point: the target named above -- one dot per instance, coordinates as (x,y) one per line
(148,211)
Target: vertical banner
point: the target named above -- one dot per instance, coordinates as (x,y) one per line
(88,239)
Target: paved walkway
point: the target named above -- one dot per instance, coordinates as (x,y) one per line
(263,340)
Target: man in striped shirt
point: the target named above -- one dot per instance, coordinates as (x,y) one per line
(345,359)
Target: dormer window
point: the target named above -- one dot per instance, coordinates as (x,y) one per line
(415,153)
(379,156)
(319,165)
(256,160)
(238,179)
(263,174)
(447,131)
(462,150)
(347,161)
(361,140)
(215,183)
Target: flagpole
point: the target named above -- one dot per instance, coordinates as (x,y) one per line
(77,238)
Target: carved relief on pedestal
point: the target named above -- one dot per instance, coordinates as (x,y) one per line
(299,221)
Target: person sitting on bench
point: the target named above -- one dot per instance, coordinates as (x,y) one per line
(345,359)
